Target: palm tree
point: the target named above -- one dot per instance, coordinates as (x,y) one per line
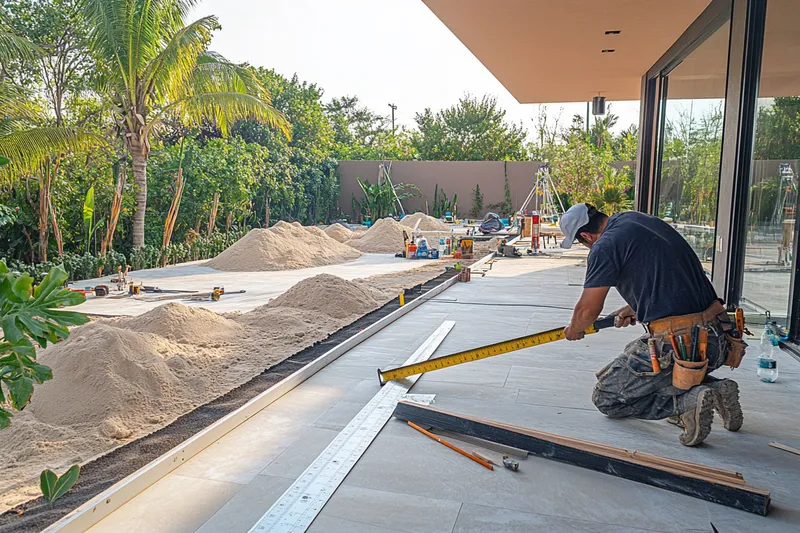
(153,66)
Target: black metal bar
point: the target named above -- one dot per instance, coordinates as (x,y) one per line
(740,497)
(710,20)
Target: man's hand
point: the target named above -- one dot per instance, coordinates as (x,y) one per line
(572,334)
(625,317)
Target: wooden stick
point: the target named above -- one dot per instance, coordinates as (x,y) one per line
(785,448)
(483,458)
(454,448)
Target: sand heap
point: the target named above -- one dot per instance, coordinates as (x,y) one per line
(116,380)
(384,237)
(426,223)
(282,247)
(359,232)
(328,295)
(338,232)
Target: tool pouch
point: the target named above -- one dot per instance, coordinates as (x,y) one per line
(687,374)
(736,350)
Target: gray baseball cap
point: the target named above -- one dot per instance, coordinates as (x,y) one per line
(574,219)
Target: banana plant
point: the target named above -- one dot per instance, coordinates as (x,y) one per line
(30,316)
(379,199)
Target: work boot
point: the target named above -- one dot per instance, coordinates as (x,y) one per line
(696,414)
(726,402)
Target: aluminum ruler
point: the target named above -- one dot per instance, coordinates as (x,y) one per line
(294,511)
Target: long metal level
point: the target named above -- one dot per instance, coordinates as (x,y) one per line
(485,352)
(294,511)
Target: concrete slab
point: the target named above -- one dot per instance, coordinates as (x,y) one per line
(260,286)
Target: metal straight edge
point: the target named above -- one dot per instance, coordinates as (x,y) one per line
(300,504)
(111,499)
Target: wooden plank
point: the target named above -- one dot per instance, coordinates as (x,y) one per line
(606,459)
(785,448)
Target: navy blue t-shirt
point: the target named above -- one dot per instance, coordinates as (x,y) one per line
(651,265)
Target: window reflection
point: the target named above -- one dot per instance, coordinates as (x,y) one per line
(692,143)
(776,161)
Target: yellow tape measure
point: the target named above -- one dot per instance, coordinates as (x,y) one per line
(484,352)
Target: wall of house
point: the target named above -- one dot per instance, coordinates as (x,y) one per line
(453,177)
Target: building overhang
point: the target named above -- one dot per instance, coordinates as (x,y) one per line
(546,51)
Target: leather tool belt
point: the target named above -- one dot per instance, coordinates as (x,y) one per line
(683,323)
(680,325)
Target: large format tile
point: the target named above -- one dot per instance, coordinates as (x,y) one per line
(241,454)
(390,510)
(482,519)
(156,509)
(242,511)
(295,459)
(540,487)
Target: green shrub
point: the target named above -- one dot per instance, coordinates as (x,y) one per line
(30,317)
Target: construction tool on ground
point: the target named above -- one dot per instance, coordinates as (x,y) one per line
(452,447)
(507,250)
(484,352)
(101,290)
(214,295)
(509,463)
(122,278)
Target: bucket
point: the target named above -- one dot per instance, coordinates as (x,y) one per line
(412,251)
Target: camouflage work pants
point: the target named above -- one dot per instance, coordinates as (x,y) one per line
(628,387)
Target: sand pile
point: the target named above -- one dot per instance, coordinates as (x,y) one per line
(313,230)
(109,376)
(338,232)
(426,223)
(384,237)
(328,295)
(182,324)
(359,232)
(283,247)
(117,380)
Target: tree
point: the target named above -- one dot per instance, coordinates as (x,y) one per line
(361,134)
(152,67)
(472,130)
(477,202)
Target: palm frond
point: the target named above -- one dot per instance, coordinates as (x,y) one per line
(109,25)
(225,108)
(28,149)
(13,47)
(173,66)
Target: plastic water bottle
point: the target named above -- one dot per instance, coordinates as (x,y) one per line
(767,364)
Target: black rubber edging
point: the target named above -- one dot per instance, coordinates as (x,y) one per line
(109,469)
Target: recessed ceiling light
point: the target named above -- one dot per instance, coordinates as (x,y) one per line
(608,51)
(613,32)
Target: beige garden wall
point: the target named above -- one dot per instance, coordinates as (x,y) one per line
(452,176)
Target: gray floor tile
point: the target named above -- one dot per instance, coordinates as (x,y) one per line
(295,459)
(156,509)
(482,519)
(242,511)
(402,512)
(331,524)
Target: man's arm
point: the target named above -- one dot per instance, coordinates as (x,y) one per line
(588,308)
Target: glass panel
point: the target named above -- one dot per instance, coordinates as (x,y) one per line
(692,143)
(776,163)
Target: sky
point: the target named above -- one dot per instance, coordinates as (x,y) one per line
(383,51)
